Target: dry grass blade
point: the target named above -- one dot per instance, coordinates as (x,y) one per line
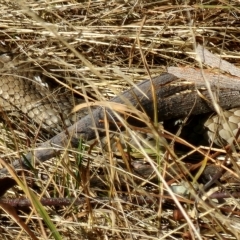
(35,203)
(11,211)
(98,49)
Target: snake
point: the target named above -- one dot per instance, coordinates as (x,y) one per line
(30,95)
(51,109)
(223,129)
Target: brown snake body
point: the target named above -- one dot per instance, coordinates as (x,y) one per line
(32,98)
(175,99)
(52,110)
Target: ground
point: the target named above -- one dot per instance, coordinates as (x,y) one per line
(99,49)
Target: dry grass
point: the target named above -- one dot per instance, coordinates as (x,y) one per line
(104,47)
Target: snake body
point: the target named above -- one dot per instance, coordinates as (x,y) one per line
(223,129)
(30,96)
(34,99)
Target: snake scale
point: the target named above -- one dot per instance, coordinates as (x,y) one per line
(171,91)
(29,93)
(31,96)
